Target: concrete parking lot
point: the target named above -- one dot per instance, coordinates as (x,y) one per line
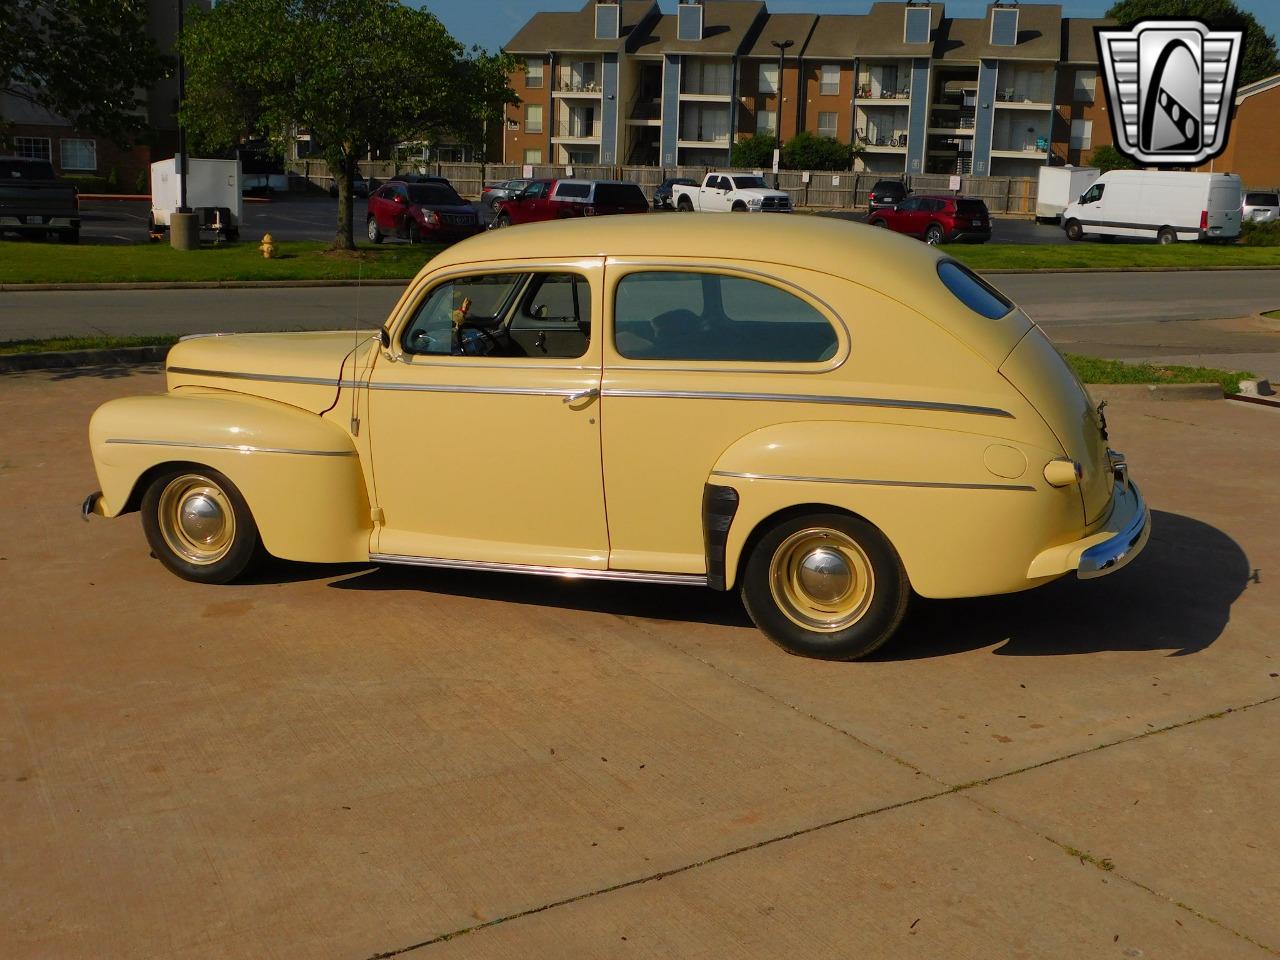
(353,762)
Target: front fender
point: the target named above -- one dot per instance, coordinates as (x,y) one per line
(299,474)
(967,513)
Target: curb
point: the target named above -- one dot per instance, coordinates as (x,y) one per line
(147,197)
(1154,391)
(63,359)
(198,285)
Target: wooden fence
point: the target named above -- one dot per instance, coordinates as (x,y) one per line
(818,190)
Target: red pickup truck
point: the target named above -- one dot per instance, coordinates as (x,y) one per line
(562,199)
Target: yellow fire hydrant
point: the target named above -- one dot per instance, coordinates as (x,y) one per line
(268,246)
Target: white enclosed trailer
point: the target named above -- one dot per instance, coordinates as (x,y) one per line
(1061,186)
(213,194)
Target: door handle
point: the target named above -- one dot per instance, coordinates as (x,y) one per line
(582,395)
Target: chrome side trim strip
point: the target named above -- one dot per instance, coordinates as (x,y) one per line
(875,483)
(541,570)
(814,398)
(233,447)
(453,388)
(263,377)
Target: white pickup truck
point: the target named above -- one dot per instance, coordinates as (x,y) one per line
(731,193)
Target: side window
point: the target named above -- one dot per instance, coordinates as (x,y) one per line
(554,317)
(974,292)
(572,191)
(707,316)
(1094,193)
(459,312)
(535,191)
(909,204)
(937,206)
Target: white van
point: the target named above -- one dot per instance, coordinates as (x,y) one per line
(1166,206)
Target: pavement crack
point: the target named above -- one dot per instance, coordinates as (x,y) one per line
(660,875)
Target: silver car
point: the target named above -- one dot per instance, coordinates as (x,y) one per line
(1260,207)
(494,193)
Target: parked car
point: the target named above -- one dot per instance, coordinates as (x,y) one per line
(35,203)
(412,177)
(858,420)
(420,211)
(564,199)
(937,219)
(1157,204)
(886,194)
(663,198)
(731,193)
(494,193)
(360,187)
(1261,206)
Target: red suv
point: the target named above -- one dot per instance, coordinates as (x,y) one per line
(420,211)
(561,199)
(937,219)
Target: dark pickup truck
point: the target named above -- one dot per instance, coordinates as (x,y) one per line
(33,201)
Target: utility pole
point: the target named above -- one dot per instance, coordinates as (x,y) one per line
(184,232)
(783,46)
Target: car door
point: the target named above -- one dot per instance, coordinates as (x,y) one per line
(533,202)
(904,217)
(379,208)
(711,195)
(492,455)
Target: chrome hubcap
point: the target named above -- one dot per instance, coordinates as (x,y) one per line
(196,519)
(821,579)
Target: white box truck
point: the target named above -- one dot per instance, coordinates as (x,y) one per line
(213,193)
(1060,186)
(1154,204)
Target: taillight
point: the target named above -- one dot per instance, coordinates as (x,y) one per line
(1204,219)
(430,216)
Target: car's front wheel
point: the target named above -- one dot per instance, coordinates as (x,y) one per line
(878,222)
(685,205)
(1073,230)
(199,525)
(375,235)
(933,236)
(826,585)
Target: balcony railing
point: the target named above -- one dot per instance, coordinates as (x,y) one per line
(1022,95)
(708,88)
(704,136)
(865,93)
(877,138)
(646,110)
(953,121)
(578,130)
(574,83)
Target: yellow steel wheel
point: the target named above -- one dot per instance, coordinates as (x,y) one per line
(821,579)
(196,519)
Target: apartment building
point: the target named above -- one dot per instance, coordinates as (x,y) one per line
(918,91)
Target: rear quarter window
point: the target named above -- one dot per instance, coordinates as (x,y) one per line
(974,292)
(1262,199)
(620,195)
(573,191)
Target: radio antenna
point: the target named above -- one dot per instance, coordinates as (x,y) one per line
(355,379)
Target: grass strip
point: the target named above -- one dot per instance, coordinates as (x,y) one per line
(61,344)
(1099,370)
(1190,256)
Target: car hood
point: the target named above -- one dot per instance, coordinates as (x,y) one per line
(301,369)
(761,192)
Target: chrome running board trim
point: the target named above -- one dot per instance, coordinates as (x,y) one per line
(875,483)
(541,570)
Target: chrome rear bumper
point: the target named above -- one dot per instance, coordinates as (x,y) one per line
(1123,545)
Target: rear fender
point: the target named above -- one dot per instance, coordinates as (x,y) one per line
(299,474)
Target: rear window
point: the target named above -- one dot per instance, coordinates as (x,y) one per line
(1262,199)
(437,195)
(26,170)
(573,191)
(974,292)
(971,208)
(749,183)
(620,195)
(888,186)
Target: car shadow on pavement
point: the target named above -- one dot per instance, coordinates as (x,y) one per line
(652,602)
(1176,596)
(114,371)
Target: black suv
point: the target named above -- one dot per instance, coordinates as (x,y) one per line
(886,193)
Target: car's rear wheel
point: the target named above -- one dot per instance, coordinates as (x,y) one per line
(685,205)
(415,235)
(826,585)
(375,235)
(502,220)
(199,525)
(1166,236)
(933,236)
(1073,230)
(878,222)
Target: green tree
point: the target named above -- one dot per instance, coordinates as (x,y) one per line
(88,61)
(1258,60)
(351,73)
(754,152)
(805,151)
(1109,158)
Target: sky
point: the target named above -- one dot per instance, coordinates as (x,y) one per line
(491,23)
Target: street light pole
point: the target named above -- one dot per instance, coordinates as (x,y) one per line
(181,171)
(783,46)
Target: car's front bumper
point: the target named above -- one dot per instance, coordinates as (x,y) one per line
(1112,546)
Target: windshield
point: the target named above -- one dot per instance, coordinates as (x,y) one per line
(748,183)
(26,170)
(434,195)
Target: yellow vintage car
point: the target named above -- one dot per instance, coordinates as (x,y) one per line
(826,416)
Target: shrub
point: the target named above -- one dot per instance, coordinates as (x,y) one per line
(1260,234)
(754,152)
(805,151)
(1109,158)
